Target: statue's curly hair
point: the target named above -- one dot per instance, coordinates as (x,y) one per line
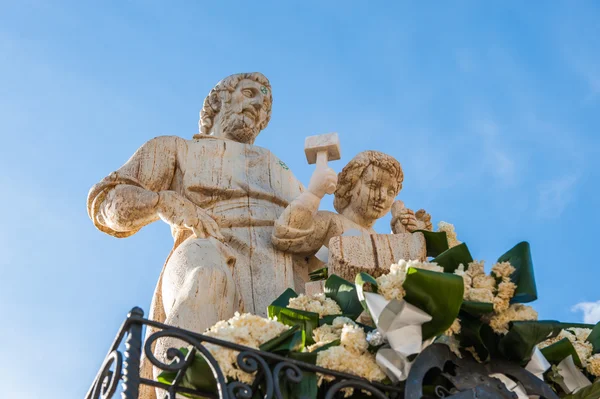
(212,102)
(352,172)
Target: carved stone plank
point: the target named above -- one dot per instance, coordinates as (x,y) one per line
(373,254)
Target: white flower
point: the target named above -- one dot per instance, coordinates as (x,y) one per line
(244,329)
(454,328)
(584,351)
(317,303)
(503,269)
(329,332)
(475,269)
(354,339)
(593,365)
(341,359)
(448,228)
(483,281)
(481,295)
(581,334)
(390,285)
(516,312)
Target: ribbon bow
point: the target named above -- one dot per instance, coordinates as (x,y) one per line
(399,323)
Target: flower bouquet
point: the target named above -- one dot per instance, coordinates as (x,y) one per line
(375,328)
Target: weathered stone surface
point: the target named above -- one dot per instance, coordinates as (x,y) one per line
(373,254)
(315,287)
(221,195)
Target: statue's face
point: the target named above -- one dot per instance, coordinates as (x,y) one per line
(374,193)
(245,113)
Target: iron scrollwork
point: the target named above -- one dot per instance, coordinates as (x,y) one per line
(271,372)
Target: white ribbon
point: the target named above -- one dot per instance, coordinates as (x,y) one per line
(538,364)
(573,378)
(399,323)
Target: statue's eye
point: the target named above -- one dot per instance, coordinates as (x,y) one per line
(248,93)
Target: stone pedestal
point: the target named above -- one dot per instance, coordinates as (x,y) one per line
(373,254)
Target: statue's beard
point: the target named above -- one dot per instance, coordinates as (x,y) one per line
(239,127)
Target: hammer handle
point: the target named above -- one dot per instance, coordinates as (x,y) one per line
(322,159)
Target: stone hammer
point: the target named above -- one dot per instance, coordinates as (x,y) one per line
(322,148)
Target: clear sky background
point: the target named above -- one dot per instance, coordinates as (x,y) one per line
(493,109)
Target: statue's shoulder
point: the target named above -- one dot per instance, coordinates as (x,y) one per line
(167,141)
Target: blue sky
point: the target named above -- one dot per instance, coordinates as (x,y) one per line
(493,109)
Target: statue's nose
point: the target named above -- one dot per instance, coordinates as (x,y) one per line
(257,104)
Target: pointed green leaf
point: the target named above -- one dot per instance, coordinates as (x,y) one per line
(560,350)
(453,257)
(198,376)
(520,258)
(477,308)
(319,274)
(344,294)
(292,317)
(523,336)
(438,294)
(291,340)
(307,321)
(282,301)
(594,338)
(435,241)
(360,281)
(471,335)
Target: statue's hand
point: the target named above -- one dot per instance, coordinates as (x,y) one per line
(323,181)
(403,219)
(423,220)
(181,212)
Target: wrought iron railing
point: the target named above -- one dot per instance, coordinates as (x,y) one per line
(270,369)
(467,378)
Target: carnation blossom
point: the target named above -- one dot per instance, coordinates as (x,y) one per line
(448,228)
(593,365)
(243,329)
(516,312)
(317,303)
(390,285)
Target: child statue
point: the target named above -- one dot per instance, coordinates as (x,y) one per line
(364,192)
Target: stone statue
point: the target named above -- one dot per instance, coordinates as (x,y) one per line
(221,196)
(364,192)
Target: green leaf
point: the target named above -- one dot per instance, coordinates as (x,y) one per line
(282,301)
(360,281)
(307,388)
(289,341)
(292,317)
(344,293)
(523,336)
(520,258)
(589,392)
(471,335)
(438,294)
(476,309)
(198,376)
(453,257)
(319,274)
(307,321)
(594,338)
(558,351)
(435,241)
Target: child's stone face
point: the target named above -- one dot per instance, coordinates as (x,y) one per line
(373,195)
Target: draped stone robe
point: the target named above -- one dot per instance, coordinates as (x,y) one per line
(244,187)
